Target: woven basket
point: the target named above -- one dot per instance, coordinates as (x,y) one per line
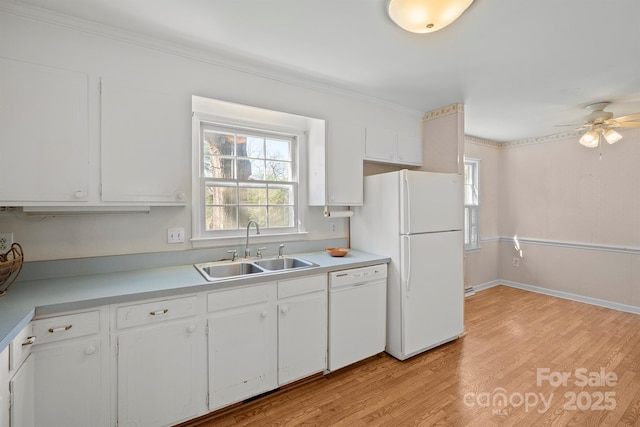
(10,266)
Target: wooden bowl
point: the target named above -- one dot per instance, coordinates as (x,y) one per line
(337,251)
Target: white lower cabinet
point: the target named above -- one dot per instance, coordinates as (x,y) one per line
(264,336)
(242,343)
(160,362)
(302,327)
(167,357)
(22,387)
(21,380)
(70,370)
(4,387)
(69,385)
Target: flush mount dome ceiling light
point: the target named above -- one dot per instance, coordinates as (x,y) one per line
(426,16)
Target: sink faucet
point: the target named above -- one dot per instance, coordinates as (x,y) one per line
(247,252)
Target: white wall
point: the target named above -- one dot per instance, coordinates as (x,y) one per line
(482,266)
(575,214)
(443,140)
(62,46)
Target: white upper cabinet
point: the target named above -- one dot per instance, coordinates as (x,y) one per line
(146,136)
(390,146)
(335,166)
(44,137)
(409,149)
(345,148)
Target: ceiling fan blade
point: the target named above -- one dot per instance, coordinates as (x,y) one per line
(629,125)
(628,118)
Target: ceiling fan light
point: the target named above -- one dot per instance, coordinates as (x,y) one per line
(590,139)
(612,136)
(426,16)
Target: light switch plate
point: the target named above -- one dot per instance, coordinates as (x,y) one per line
(175,235)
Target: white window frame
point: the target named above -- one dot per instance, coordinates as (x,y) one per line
(239,183)
(202,237)
(472,209)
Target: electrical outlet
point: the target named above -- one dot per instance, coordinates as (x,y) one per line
(6,240)
(333,227)
(516,262)
(175,235)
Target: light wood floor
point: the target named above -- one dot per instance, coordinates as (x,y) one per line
(510,335)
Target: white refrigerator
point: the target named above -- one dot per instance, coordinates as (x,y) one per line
(416,219)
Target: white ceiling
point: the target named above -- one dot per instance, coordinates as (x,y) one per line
(519,66)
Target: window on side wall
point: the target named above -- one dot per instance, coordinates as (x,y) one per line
(471,204)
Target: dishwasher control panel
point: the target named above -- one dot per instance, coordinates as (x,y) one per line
(357,275)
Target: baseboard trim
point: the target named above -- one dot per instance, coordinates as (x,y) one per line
(560,294)
(487,285)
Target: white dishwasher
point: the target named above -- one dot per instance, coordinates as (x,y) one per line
(357,314)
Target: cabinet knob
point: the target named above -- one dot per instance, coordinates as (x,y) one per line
(191,329)
(79,194)
(180,196)
(284,309)
(89,350)
(264,314)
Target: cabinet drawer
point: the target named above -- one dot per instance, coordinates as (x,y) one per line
(302,285)
(238,297)
(157,311)
(20,347)
(65,327)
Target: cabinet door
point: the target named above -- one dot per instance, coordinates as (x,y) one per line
(409,149)
(161,374)
(381,144)
(345,151)
(302,336)
(146,141)
(21,388)
(69,385)
(4,387)
(242,353)
(44,137)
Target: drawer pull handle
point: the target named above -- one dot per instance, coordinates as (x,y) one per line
(30,340)
(155,313)
(60,329)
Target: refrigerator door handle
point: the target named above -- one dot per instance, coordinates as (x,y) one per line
(407,212)
(407,261)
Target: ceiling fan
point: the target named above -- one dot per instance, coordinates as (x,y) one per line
(602,123)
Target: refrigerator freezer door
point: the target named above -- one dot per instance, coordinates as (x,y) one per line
(433,290)
(430,202)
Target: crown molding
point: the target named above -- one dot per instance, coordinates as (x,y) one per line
(443,111)
(543,139)
(219,58)
(481,141)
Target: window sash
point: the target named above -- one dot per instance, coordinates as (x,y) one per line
(225,213)
(472,205)
(471,227)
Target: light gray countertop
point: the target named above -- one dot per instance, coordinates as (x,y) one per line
(47,296)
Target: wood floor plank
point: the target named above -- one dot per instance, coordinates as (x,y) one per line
(511,334)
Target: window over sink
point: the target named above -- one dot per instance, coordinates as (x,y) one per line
(247,175)
(247,165)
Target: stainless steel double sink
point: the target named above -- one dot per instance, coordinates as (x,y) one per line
(220,270)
